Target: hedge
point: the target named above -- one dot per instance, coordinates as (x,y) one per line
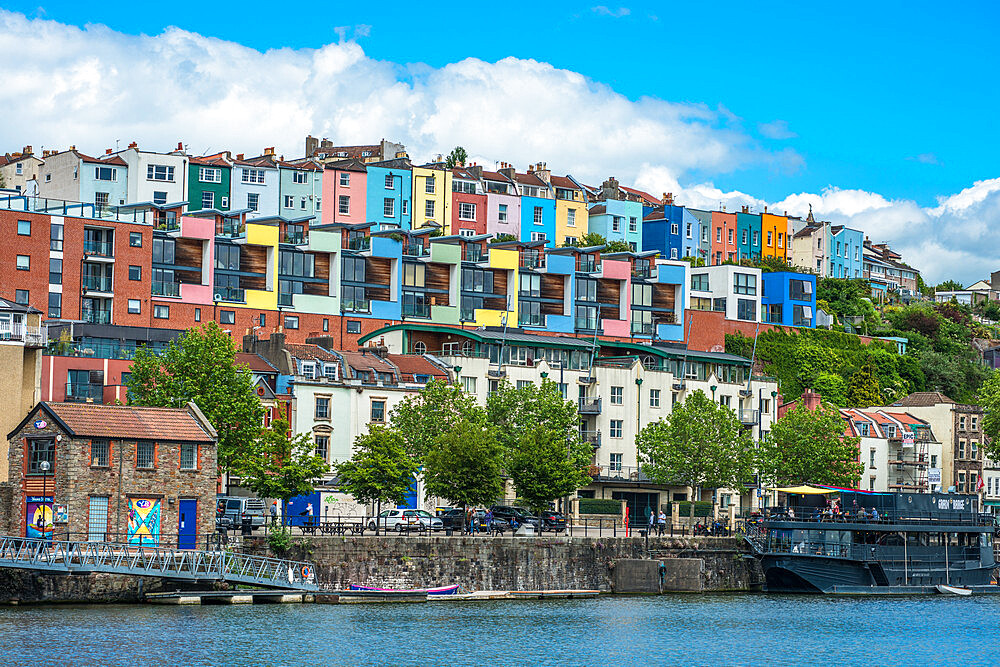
(600,506)
(701,508)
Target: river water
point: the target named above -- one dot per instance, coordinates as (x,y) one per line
(609,632)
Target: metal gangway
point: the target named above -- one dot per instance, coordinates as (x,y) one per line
(70,557)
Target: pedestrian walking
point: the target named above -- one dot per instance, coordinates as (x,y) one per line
(661,522)
(652,521)
(489,521)
(274,512)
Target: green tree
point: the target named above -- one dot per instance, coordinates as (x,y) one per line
(863,390)
(617,246)
(456,158)
(699,444)
(279,465)
(809,446)
(989,400)
(380,470)
(588,240)
(464,465)
(421,419)
(516,411)
(949,286)
(546,465)
(504,238)
(201,367)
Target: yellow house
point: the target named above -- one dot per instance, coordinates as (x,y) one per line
(571,210)
(774,240)
(502,259)
(431,197)
(264,239)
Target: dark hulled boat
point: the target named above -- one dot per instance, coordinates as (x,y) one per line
(836,541)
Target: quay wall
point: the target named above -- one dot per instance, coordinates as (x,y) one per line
(516,563)
(27,587)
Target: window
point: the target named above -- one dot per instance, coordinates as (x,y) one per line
(23,262)
(322,403)
(189,456)
(291,321)
(252,176)
(961,422)
(344,205)
(145,454)
(353,327)
(429,208)
(466,211)
(378,411)
(253,201)
(699,282)
(719,305)
(756,238)
(802,316)
(633,224)
(746,309)
(674,229)
(159,172)
(688,230)
(299,177)
(615,462)
(463,186)
(159,197)
(524,384)
(673,253)
(725,400)
(161,312)
(538,236)
(413,274)
(227,317)
(467,232)
(289,201)
(207,199)
(781,239)
(389,207)
(469,384)
(99,452)
(56,237)
(745,283)
(209,175)
(55,271)
(307,369)
(41,450)
(405,208)
(769,238)
(616,223)
(974,425)
(502,213)
(135,239)
(163,252)
(55,304)
(134,272)
(197,314)
(617,395)
(538,215)
(654,398)
(24,227)
(390,183)
(571,218)
(322,446)
(429,185)
(21,297)
(345,179)
(134,306)
(616,429)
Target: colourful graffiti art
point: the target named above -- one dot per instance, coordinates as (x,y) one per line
(38,517)
(144,521)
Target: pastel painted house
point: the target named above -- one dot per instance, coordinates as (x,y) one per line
(503,206)
(345,194)
(73,176)
(256,185)
(789,298)
(389,187)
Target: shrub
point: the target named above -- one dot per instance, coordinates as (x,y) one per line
(600,506)
(701,508)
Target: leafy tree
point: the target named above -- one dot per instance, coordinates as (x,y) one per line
(464,464)
(617,246)
(381,469)
(588,240)
(456,158)
(201,367)
(546,465)
(280,466)
(694,261)
(989,399)
(864,391)
(503,238)
(421,419)
(831,387)
(809,446)
(516,411)
(949,286)
(699,444)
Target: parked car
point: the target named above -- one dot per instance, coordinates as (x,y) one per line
(400,520)
(231,510)
(514,515)
(455,519)
(553,521)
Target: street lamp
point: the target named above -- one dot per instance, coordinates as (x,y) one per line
(44,467)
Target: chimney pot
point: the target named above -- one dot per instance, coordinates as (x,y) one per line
(107,151)
(180,145)
(239,156)
(27,150)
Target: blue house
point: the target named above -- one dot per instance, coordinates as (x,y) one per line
(748,232)
(789,299)
(389,192)
(672,231)
(845,247)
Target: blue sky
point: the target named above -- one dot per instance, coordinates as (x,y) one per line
(894,97)
(882,115)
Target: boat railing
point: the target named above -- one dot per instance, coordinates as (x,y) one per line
(884,516)
(887,555)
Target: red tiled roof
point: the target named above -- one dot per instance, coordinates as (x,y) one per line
(599,209)
(260,161)
(364,361)
(906,418)
(310,351)
(209,161)
(255,362)
(529,179)
(924,399)
(644,195)
(564,182)
(114,159)
(127,421)
(413,364)
(495,176)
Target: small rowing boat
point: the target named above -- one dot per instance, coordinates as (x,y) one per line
(439,590)
(953,590)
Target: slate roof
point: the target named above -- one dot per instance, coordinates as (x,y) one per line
(128,421)
(923,399)
(367,362)
(311,351)
(410,365)
(255,362)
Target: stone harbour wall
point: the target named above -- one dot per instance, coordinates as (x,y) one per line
(516,563)
(27,587)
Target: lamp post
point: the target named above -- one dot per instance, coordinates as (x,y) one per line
(44,467)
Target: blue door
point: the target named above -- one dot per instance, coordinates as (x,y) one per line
(187,530)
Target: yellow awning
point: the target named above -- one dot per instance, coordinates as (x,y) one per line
(803,490)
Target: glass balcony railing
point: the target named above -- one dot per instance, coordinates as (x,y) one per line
(99,248)
(642,272)
(530,319)
(96,283)
(284,299)
(167,223)
(295,238)
(416,310)
(475,254)
(230,294)
(359,243)
(166,288)
(642,328)
(589,265)
(532,261)
(357,306)
(80,392)
(97,316)
(415,250)
(233,229)
(585,323)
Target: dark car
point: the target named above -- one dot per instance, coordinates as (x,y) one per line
(515,516)
(455,519)
(554,521)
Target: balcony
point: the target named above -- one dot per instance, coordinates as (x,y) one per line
(359,243)
(749,417)
(285,298)
(642,328)
(589,406)
(532,260)
(474,253)
(356,306)
(96,283)
(97,316)
(588,265)
(641,273)
(415,250)
(295,238)
(99,248)
(619,473)
(585,323)
(33,336)
(78,392)
(230,294)
(165,288)
(233,229)
(416,310)
(167,223)
(530,319)
(592,438)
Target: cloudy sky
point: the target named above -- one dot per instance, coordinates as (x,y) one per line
(856,112)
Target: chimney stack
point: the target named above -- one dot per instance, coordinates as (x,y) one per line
(180,145)
(107,151)
(668,198)
(269,150)
(27,150)
(239,156)
(134,145)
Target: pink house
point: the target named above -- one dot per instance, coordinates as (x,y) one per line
(621,270)
(345,189)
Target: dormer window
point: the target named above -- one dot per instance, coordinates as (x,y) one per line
(308,370)
(330,371)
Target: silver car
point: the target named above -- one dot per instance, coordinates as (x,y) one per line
(406,519)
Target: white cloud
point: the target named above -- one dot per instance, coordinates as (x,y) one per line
(92,86)
(776,129)
(925,158)
(613,13)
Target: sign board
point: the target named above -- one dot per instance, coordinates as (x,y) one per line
(908,438)
(934,476)
(40,423)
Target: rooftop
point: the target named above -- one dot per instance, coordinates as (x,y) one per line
(185,424)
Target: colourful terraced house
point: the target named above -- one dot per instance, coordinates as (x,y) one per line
(672,231)
(345,191)
(209,182)
(616,214)
(300,188)
(776,241)
(572,220)
(431,196)
(538,204)
(469,202)
(503,206)
(389,190)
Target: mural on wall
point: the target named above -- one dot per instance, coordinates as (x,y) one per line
(38,517)
(144,521)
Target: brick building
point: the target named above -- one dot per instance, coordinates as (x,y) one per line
(114,473)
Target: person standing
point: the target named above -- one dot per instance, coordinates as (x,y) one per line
(661,522)
(274,512)
(652,521)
